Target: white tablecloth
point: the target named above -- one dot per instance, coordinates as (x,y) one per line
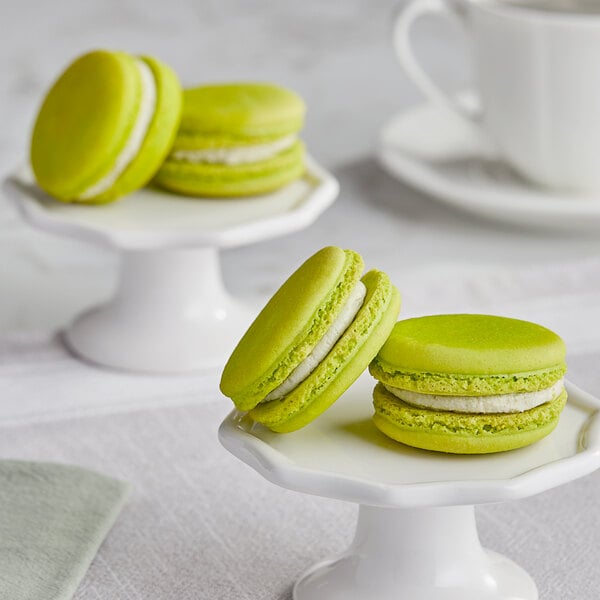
(201,525)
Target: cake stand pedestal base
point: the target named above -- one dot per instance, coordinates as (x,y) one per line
(416,554)
(170,313)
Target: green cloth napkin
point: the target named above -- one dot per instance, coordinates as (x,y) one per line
(53,519)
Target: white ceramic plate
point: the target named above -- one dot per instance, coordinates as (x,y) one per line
(153,218)
(171,312)
(436,153)
(342,455)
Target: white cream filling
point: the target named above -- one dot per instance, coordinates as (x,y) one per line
(136,137)
(236,155)
(501,403)
(325,344)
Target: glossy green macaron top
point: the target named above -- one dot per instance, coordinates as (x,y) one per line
(89,117)
(238,113)
(470,355)
(290,325)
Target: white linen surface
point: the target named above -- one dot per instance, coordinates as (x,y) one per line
(201,525)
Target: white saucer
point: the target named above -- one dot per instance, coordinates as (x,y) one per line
(436,153)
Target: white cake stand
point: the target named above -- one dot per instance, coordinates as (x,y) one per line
(416,537)
(430,149)
(170,312)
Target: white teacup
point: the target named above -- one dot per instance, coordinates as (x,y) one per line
(537,74)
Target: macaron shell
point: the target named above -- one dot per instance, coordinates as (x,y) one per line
(84,122)
(466,385)
(220,180)
(471,345)
(463,433)
(159,138)
(254,110)
(290,325)
(342,366)
(470,355)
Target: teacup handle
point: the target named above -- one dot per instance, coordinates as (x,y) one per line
(403,47)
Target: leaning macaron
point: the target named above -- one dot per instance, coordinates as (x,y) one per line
(236,139)
(469,384)
(105,127)
(311,341)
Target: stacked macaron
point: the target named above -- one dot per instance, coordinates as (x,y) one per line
(469,384)
(105,127)
(311,341)
(236,140)
(110,120)
(463,384)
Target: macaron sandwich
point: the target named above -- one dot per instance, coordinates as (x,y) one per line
(113,121)
(105,127)
(311,341)
(469,384)
(235,139)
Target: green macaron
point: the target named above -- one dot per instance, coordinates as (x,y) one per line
(105,127)
(311,341)
(469,384)
(236,139)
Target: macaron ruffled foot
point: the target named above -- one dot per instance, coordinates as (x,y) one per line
(311,341)
(469,384)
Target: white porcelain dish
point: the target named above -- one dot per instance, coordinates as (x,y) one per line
(170,312)
(416,524)
(152,219)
